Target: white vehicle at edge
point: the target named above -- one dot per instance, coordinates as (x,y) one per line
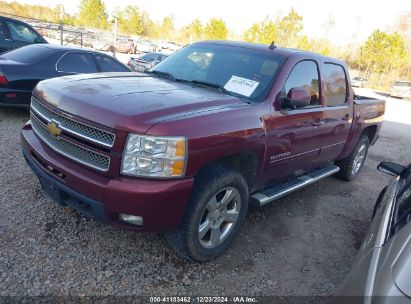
(401,89)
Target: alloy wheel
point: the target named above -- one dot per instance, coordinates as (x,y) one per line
(219,217)
(359,159)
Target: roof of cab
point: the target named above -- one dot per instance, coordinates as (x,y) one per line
(286,52)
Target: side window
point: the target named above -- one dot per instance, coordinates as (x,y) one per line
(110,65)
(335,85)
(21,32)
(305,76)
(2,32)
(143,57)
(149,58)
(402,215)
(77,63)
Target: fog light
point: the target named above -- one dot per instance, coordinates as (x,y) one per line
(131,219)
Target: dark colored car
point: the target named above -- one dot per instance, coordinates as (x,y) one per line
(23,68)
(15,34)
(185,147)
(382,268)
(146,61)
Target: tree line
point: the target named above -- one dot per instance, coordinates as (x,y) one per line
(385,54)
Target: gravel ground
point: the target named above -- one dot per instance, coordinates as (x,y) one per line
(301,245)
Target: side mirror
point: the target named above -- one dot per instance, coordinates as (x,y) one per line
(391,168)
(296,98)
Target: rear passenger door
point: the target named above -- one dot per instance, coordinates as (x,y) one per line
(338,110)
(76,63)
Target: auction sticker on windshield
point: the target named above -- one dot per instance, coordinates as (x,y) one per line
(241,85)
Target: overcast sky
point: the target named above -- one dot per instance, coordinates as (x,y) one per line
(353,19)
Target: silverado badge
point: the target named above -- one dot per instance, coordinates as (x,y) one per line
(53,128)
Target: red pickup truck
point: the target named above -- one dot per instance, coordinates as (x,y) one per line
(186,147)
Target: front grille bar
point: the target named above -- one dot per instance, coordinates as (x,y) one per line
(68,149)
(81,130)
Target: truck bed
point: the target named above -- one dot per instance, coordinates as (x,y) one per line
(358,99)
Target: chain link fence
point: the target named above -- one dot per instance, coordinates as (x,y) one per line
(99,40)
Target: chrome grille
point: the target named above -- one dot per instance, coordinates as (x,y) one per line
(73,127)
(75,152)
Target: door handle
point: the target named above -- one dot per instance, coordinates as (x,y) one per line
(347,117)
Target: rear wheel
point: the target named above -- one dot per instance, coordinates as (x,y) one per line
(216,210)
(351,166)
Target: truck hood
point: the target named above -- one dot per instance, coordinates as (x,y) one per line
(131,102)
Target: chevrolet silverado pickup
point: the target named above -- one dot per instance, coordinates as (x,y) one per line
(185,148)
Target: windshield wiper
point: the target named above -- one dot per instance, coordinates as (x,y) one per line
(215,86)
(211,85)
(162,74)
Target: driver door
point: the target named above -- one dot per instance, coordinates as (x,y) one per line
(294,138)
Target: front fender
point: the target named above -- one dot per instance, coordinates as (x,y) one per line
(218,134)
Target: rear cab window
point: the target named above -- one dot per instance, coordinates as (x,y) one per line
(336,89)
(76,62)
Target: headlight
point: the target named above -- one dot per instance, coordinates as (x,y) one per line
(151,156)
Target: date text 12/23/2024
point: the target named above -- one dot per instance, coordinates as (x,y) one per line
(204,299)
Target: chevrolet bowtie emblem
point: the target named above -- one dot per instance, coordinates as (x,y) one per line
(53,128)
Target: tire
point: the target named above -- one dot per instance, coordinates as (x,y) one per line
(218,203)
(351,166)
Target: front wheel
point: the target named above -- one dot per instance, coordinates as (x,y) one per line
(351,166)
(215,212)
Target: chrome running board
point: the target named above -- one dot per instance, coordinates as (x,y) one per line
(268,195)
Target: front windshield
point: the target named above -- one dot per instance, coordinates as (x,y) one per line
(242,72)
(402,84)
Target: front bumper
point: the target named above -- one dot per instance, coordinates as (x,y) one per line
(18,98)
(161,203)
